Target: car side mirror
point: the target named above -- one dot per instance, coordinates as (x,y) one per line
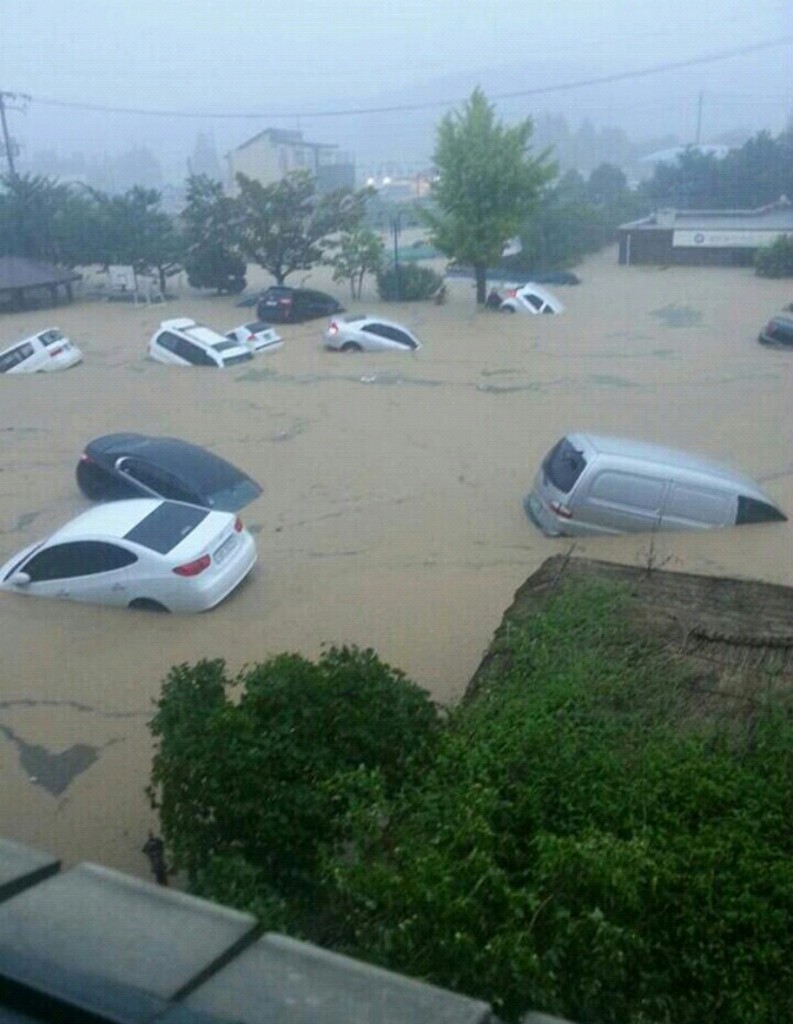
(20,579)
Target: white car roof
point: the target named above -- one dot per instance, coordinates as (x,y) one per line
(201,334)
(112,519)
(362,318)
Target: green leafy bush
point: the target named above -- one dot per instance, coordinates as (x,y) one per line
(408,283)
(775,260)
(570,839)
(264,779)
(579,848)
(216,268)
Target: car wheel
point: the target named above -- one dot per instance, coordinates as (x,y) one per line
(147,604)
(351,346)
(507,309)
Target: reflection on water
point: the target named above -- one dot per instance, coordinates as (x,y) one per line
(392,518)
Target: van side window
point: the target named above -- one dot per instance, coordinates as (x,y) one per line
(15,356)
(750,510)
(563,465)
(628,489)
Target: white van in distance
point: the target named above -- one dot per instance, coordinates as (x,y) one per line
(41,353)
(589,485)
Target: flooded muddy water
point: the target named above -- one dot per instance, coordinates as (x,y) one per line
(391,515)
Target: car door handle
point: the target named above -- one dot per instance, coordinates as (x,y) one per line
(118,586)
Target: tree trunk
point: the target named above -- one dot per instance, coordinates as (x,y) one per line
(480,270)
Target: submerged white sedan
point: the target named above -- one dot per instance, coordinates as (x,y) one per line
(143,553)
(364,333)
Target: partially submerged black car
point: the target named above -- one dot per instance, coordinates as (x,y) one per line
(778,332)
(119,466)
(281,304)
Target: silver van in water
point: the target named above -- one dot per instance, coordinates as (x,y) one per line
(589,484)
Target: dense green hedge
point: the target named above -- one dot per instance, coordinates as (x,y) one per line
(572,839)
(580,849)
(407,282)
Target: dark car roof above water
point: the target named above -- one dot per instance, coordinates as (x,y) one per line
(204,469)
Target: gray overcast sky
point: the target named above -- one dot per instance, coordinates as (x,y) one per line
(205,55)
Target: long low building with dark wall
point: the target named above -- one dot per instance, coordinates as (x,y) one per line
(704,237)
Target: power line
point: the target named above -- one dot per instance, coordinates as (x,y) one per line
(408,107)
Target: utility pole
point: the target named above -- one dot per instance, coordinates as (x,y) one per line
(699,118)
(8,142)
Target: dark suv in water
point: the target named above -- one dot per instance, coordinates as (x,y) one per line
(281,304)
(778,331)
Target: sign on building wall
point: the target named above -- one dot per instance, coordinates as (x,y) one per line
(723,239)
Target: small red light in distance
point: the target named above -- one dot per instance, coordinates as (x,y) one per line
(193,568)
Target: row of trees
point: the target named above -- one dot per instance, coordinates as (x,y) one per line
(283,227)
(490,188)
(757,173)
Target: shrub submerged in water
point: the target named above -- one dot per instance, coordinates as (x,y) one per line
(408,282)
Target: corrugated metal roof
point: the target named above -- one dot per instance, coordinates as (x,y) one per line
(20,272)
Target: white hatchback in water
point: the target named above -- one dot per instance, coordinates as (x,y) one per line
(531,298)
(258,336)
(40,353)
(141,553)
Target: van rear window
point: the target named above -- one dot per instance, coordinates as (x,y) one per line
(563,465)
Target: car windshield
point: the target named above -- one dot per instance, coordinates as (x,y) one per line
(167,526)
(563,465)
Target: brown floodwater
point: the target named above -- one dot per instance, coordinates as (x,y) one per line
(391,515)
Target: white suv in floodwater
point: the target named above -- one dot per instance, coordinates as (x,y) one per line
(183,342)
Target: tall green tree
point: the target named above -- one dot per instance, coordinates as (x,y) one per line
(286,226)
(357,253)
(29,204)
(209,219)
(136,231)
(488,184)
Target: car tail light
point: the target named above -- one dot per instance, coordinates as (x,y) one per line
(251,337)
(561,510)
(512,293)
(238,525)
(284,302)
(193,568)
(333,328)
(57,351)
(85,457)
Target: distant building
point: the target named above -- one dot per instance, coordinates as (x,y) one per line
(696,237)
(272,154)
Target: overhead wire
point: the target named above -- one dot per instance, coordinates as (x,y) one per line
(430,104)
